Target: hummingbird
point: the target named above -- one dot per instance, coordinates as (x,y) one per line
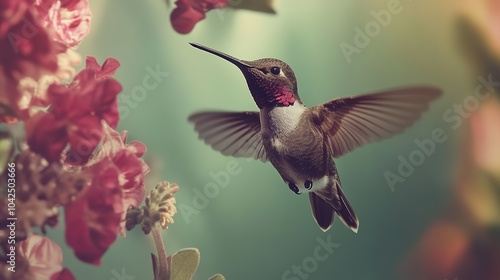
(300,142)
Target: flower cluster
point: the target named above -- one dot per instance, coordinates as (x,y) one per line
(159,209)
(37,41)
(94,219)
(189,12)
(45,259)
(72,158)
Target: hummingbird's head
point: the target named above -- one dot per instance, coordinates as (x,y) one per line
(271,81)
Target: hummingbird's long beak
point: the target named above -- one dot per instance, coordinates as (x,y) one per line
(233,60)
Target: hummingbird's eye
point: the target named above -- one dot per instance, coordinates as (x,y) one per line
(275,70)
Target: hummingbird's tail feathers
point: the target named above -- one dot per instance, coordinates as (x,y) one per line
(346,213)
(332,199)
(323,212)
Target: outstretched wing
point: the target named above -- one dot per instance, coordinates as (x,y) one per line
(354,121)
(232,133)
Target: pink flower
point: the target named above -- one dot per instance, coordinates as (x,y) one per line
(93,220)
(25,48)
(75,117)
(97,216)
(32,36)
(69,20)
(132,168)
(127,158)
(131,180)
(107,69)
(25,51)
(188,12)
(34,92)
(44,257)
(11,12)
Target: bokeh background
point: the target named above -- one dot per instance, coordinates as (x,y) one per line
(255,228)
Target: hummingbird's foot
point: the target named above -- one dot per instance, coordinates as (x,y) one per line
(294,188)
(308,184)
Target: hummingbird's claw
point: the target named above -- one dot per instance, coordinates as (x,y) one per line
(294,188)
(308,184)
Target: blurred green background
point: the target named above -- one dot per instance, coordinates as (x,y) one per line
(256,228)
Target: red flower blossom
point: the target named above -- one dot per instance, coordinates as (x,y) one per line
(75,117)
(25,47)
(11,12)
(25,51)
(107,69)
(45,258)
(34,37)
(68,20)
(188,12)
(127,158)
(131,180)
(93,220)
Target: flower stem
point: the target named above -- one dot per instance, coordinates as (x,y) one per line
(164,270)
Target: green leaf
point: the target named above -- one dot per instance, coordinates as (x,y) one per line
(6,148)
(217,277)
(264,6)
(154,260)
(185,263)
